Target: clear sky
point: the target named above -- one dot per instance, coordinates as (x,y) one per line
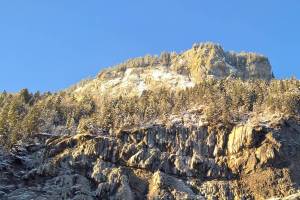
(48,45)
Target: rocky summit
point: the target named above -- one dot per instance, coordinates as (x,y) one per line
(202,124)
(177,71)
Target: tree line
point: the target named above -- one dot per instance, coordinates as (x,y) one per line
(228,101)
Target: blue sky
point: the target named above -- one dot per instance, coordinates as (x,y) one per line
(51,44)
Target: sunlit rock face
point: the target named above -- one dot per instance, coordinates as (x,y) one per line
(210,59)
(177,71)
(174,161)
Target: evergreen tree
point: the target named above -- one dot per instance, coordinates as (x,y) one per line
(25,95)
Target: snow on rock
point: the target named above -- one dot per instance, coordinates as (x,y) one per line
(180,71)
(135,81)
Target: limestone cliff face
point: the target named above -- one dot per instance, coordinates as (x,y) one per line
(177,71)
(253,160)
(210,59)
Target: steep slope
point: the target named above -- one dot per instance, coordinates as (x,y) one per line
(177,71)
(258,159)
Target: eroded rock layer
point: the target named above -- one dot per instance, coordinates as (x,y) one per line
(253,160)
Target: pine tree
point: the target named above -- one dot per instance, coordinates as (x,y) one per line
(32,121)
(25,95)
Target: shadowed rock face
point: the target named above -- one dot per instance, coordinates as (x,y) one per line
(251,161)
(177,71)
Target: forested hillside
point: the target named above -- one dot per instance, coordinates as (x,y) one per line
(223,101)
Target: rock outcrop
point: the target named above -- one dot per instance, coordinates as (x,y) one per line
(208,59)
(177,71)
(254,160)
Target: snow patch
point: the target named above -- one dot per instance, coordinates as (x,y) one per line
(159,74)
(141,87)
(135,81)
(232,69)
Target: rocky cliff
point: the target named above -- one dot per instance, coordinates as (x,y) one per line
(258,159)
(177,71)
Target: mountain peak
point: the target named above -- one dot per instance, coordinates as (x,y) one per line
(210,59)
(178,70)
